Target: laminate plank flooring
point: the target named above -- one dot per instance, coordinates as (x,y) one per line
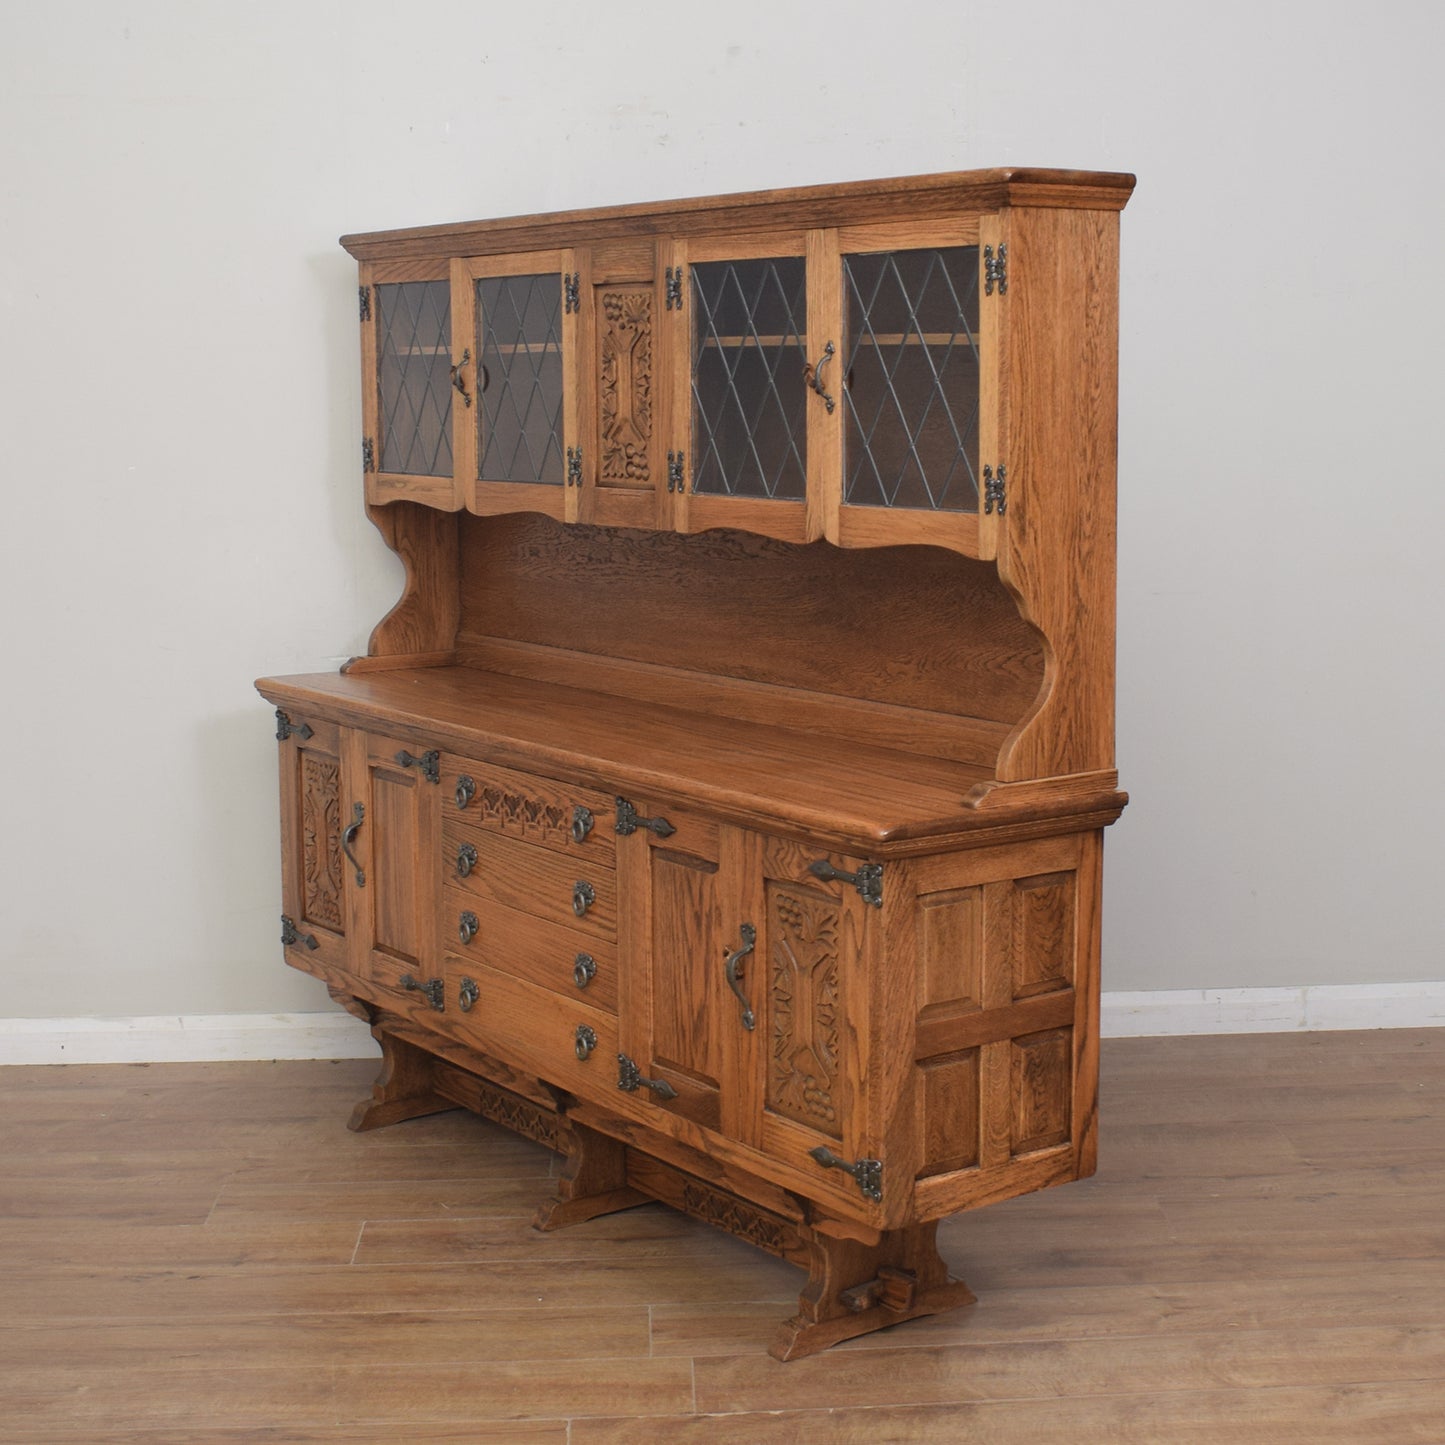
(202,1252)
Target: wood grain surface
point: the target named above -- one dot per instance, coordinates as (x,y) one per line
(203,1252)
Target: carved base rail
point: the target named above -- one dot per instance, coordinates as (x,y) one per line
(855,1284)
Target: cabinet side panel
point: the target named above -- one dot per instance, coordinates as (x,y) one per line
(1057,551)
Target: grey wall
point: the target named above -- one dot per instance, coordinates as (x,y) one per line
(179,418)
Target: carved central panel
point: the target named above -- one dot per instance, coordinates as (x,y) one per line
(803,929)
(626,393)
(321,840)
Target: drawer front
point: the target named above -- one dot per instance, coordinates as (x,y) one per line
(564,1041)
(564,960)
(578,822)
(571,891)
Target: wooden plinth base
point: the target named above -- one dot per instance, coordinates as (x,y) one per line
(858,1280)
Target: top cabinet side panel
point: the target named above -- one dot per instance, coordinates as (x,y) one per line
(808,206)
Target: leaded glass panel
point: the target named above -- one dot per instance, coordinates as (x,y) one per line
(413,364)
(911,435)
(749,348)
(519,378)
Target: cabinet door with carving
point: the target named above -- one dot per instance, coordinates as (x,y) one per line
(808,983)
(313,876)
(628,481)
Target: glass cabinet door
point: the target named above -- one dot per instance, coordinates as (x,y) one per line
(519,445)
(743,399)
(919,390)
(910,436)
(406,319)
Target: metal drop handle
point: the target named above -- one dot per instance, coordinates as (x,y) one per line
(813,375)
(749,936)
(457,382)
(582,823)
(466,859)
(466,790)
(584,970)
(358,816)
(468,925)
(584,895)
(584,1041)
(468,994)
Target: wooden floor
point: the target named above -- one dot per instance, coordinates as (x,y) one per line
(203,1253)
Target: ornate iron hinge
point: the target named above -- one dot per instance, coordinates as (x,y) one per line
(428,764)
(868,1172)
(574,466)
(673,299)
(868,880)
(364,295)
(674,471)
(995,270)
(285,728)
(994,496)
(630,1080)
(433,991)
(628,821)
(368,455)
(571,289)
(291,935)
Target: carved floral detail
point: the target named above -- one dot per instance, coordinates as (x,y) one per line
(626,393)
(803,1068)
(517,813)
(517,1115)
(725,1211)
(321,840)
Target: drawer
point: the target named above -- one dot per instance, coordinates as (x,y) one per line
(579,822)
(561,1040)
(573,891)
(563,960)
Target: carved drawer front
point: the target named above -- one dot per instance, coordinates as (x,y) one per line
(562,1040)
(1003,937)
(576,821)
(576,965)
(492,869)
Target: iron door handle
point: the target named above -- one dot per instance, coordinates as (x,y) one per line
(749,936)
(358,816)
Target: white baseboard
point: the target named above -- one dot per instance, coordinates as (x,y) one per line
(191,1038)
(186,1038)
(1273,1010)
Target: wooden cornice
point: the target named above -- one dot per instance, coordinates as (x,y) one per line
(855,202)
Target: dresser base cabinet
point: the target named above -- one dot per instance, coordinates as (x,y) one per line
(721,805)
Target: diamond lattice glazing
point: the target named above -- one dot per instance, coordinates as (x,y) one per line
(519,325)
(749,397)
(414,329)
(911,436)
